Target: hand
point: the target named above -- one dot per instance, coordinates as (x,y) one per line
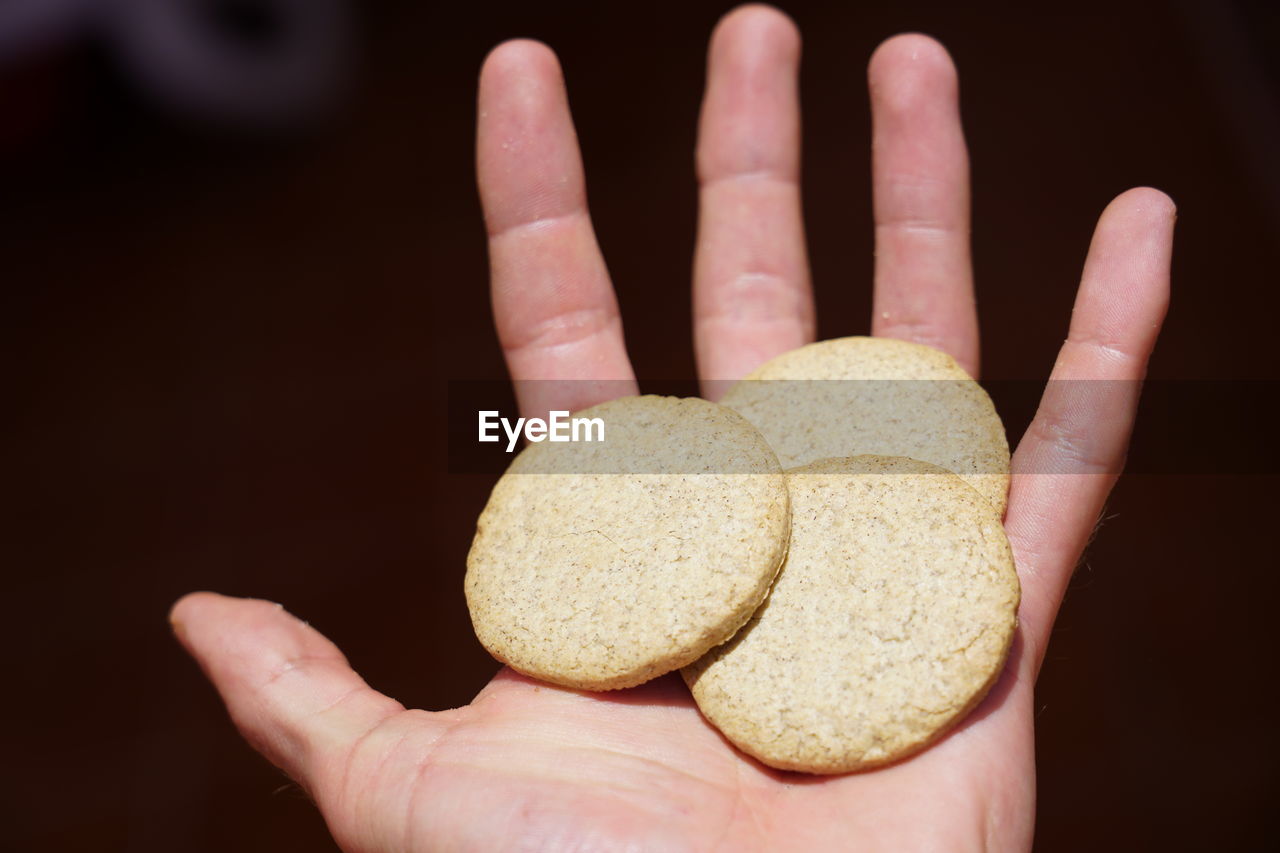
(534,766)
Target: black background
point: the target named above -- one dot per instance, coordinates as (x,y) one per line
(229,357)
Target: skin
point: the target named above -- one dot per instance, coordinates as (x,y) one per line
(528,766)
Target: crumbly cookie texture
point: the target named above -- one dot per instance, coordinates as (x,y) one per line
(890,619)
(916,402)
(602,565)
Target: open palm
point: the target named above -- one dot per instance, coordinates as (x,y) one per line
(530,766)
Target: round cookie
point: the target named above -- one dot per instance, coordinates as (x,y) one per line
(890,619)
(601,565)
(918,403)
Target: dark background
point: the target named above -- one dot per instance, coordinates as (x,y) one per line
(229,351)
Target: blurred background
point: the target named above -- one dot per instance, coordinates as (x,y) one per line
(242,256)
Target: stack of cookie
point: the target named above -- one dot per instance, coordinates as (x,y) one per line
(822,555)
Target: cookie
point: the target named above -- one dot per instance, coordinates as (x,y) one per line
(890,619)
(601,565)
(917,403)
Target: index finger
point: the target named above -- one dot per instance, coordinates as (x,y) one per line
(553,303)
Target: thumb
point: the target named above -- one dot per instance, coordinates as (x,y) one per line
(289,690)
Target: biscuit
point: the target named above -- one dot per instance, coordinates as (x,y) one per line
(890,619)
(919,404)
(602,565)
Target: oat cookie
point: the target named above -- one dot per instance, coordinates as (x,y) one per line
(889,621)
(602,565)
(919,403)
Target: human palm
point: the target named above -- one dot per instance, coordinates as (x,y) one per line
(533,766)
